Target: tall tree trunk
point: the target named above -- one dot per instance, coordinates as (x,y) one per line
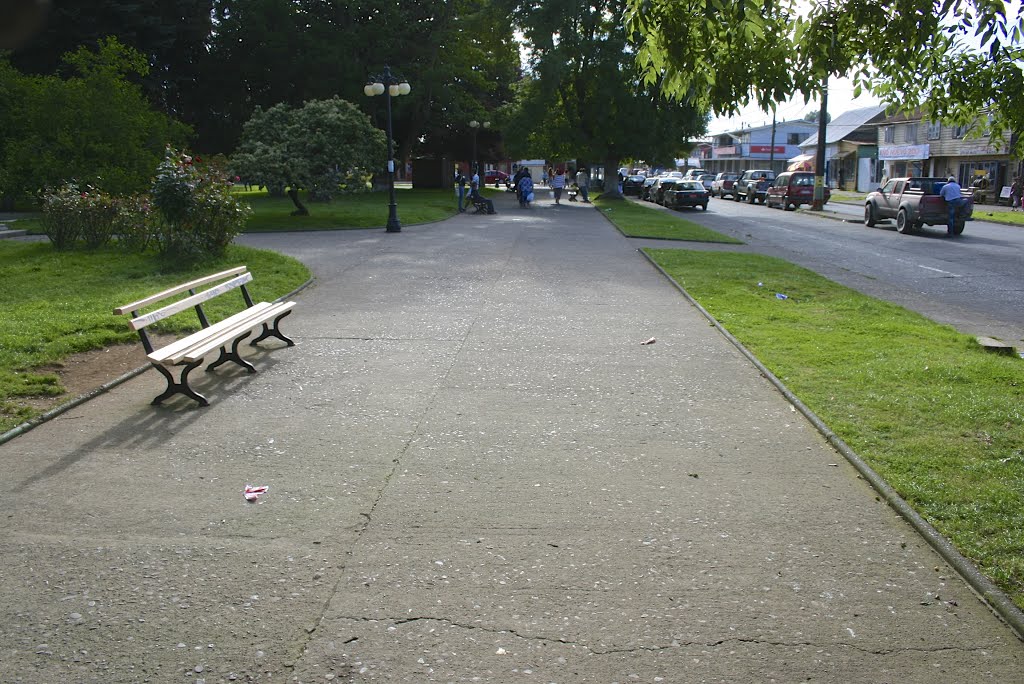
(300,208)
(611,179)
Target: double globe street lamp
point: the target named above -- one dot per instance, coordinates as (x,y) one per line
(476,126)
(390,86)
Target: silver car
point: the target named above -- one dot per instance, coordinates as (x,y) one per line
(723,184)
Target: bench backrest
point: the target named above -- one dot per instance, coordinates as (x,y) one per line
(218,283)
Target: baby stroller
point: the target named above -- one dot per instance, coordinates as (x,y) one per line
(525,192)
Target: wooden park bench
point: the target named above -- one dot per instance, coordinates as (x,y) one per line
(223,336)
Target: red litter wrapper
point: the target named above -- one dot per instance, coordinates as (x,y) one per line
(252,493)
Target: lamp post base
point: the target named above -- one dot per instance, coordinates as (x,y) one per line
(393,225)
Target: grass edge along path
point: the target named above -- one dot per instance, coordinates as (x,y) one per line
(57,304)
(937,417)
(637,221)
(347,212)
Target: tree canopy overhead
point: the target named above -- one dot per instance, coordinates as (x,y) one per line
(583,97)
(955,60)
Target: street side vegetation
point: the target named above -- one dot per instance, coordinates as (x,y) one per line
(59,303)
(938,417)
(634,220)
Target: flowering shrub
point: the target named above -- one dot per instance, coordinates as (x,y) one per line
(134,223)
(71,214)
(189,214)
(195,213)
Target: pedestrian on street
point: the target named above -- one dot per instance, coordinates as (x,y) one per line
(1016,194)
(954,200)
(583,183)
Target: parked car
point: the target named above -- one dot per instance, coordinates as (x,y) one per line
(658,189)
(722,185)
(687,193)
(793,188)
(495,176)
(633,185)
(706,180)
(753,185)
(914,202)
(645,189)
(693,174)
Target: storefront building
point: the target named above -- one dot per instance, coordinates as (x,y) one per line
(910,146)
(764,147)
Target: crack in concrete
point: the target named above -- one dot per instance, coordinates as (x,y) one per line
(675,644)
(793,644)
(460,625)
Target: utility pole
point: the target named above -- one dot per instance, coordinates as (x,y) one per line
(818,203)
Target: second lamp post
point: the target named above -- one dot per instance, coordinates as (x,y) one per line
(476,126)
(390,86)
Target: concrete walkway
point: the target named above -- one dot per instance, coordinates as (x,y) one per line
(477,473)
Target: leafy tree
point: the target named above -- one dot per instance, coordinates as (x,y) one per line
(816,115)
(953,59)
(96,127)
(324,146)
(459,56)
(583,97)
(170,34)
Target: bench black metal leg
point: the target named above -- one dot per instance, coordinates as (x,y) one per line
(179,386)
(233,355)
(273,330)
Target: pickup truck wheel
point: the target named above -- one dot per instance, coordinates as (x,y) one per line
(958,227)
(869,216)
(903,224)
(787,205)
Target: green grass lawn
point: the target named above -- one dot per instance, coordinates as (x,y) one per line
(935,415)
(56,304)
(364,210)
(639,221)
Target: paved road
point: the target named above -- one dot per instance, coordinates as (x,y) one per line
(975,283)
(477,473)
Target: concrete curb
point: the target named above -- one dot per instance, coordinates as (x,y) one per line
(988,592)
(105,387)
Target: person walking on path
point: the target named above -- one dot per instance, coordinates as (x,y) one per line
(558,184)
(1016,192)
(525,189)
(583,183)
(460,188)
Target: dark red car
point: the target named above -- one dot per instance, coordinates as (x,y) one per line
(494,176)
(791,189)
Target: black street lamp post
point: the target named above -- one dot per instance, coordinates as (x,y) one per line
(476,125)
(390,86)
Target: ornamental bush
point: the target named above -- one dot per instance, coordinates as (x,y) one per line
(195,215)
(189,214)
(72,214)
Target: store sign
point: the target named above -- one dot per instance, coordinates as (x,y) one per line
(731,149)
(767,149)
(896,152)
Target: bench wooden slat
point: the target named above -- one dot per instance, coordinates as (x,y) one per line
(188,302)
(229,335)
(177,347)
(185,287)
(179,358)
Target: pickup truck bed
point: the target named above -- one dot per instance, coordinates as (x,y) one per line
(914,202)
